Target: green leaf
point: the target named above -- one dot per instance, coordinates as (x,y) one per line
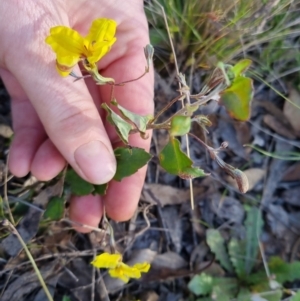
(237,98)
(176,162)
(243,295)
(240,67)
(284,271)
(253,224)
(217,246)
(296,297)
(272,295)
(55,209)
(139,121)
(100,189)
(129,160)
(201,284)
(237,250)
(66,298)
(180,125)
(122,127)
(258,279)
(224,289)
(78,185)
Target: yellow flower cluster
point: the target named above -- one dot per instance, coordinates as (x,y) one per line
(70,47)
(118,269)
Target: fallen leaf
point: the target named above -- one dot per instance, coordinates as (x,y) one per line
(170,260)
(27,228)
(291,196)
(28,282)
(172,222)
(149,296)
(278,127)
(291,111)
(227,209)
(292,173)
(163,195)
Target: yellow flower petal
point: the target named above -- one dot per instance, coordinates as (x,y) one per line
(102,30)
(65,64)
(65,41)
(142,267)
(100,39)
(118,273)
(106,260)
(68,47)
(124,272)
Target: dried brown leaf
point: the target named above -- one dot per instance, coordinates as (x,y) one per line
(291,112)
(292,173)
(163,195)
(170,260)
(278,127)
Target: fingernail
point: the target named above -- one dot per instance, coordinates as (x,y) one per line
(96,162)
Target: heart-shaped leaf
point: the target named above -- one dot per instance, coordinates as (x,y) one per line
(129,161)
(140,122)
(100,189)
(240,67)
(55,209)
(122,126)
(180,125)
(176,162)
(77,184)
(237,98)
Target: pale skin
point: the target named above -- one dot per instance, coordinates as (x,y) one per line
(57,121)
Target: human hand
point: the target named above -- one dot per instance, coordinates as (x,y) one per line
(56,119)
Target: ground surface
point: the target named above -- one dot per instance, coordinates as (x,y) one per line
(164,231)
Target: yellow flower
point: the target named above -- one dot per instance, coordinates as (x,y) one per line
(118,269)
(70,47)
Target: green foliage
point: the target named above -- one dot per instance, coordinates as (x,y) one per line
(176,162)
(129,160)
(284,271)
(139,122)
(122,127)
(296,297)
(237,251)
(201,284)
(180,125)
(55,208)
(237,98)
(77,185)
(100,189)
(254,225)
(241,67)
(204,32)
(240,258)
(218,288)
(216,243)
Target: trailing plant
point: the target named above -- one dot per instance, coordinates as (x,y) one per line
(227,85)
